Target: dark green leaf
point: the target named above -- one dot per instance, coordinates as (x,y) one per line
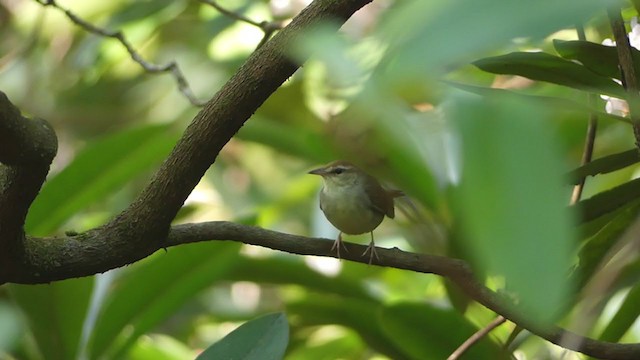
(624,317)
(152,290)
(426,332)
(101,168)
(557,104)
(599,58)
(605,165)
(545,67)
(264,338)
(56,313)
(358,315)
(608,201)
(596,247)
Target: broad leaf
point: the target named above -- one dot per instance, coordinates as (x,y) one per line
(545,67)
(428,333)
(150,291)
(55,313)
(96,172)
(264,338)
(599,58)
(511,201)
(359,315)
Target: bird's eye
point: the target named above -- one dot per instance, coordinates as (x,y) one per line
(338,171)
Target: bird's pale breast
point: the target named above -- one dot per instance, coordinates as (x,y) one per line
(350,210)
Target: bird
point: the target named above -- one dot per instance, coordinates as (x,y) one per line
(354,202)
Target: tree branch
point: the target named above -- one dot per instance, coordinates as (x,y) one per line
(456,270)
(170,67)
(629,76)
(28,147)
(141,228)
(64,264)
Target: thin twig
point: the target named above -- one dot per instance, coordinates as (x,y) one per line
(231,14)
(477,336)
(592,127)
(629,76)
(267,27)
(171,67)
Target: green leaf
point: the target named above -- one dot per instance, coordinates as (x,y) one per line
(151,290)
(596,247)
(624,317)
(608,201)
(56,314)
(557,104)
(426,332)
(264,338)
(605,165)
(599,58)
(359,315)
(415,30)
(541,66)
(511,201)
(96,172)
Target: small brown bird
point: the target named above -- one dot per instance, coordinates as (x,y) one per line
(354,201)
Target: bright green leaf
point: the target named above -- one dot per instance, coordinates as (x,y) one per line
(511,201)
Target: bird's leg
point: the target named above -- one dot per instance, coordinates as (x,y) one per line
(371,248)
(339,244)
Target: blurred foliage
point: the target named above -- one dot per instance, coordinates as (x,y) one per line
(476,110)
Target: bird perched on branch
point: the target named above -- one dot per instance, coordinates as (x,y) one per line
(354,201)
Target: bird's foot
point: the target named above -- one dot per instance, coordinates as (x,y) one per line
(339,244)
(372,250)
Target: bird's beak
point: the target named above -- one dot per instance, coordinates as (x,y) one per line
(319,171)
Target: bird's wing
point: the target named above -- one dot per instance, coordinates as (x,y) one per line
(380,200)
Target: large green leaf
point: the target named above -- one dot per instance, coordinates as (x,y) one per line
(599,58)
(97,171)
(605,164)
(264,338)
(608,201)
(56,314)
(150,291)
(545,67)
(415,30)
(511,202)
(426,332)
(358,315)
(624,318)
(597,246)
(557,104)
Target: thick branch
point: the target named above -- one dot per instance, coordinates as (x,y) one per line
(66,264)
(263,72)
(28,147)
(456,270)
(629,76)
(25,142)
(144,225)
